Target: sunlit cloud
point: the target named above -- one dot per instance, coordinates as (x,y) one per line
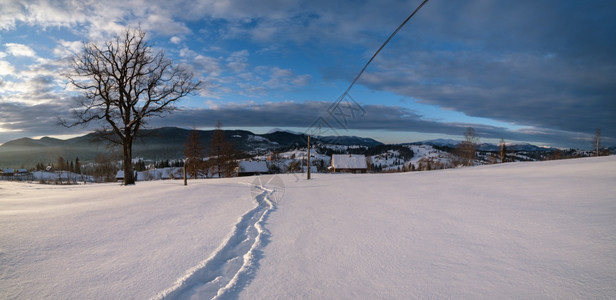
(19,50)
(6,68)
(65,49)
(175,40)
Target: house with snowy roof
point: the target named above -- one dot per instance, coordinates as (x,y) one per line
(249,168)
(120,175)
(349,163)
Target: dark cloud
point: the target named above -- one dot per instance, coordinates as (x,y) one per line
(375,117)
(282,114)
(546,64)
(569,27)
(528,95)
(42,120)
(20,120)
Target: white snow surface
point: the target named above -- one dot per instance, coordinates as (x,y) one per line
(538,230)
(427,151)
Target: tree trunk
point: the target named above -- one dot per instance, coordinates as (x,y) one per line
(129,176)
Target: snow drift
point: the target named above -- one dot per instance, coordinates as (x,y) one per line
(519,230)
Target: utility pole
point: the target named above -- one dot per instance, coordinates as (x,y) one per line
(597,141)
(308,167)
(218,159)
(185,163)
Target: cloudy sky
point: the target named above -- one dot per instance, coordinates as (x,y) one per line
(535,71)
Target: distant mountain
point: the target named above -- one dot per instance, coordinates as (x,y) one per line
(439,142)
(350,140)
(50,142)
(27,152)
(154,144)
(515,147)
(485,146)
(283,130)
(24,142)
(286,138)
(167,143)
(528,147)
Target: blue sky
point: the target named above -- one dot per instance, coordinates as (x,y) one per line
(534,71)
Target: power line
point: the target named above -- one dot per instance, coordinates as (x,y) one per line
(382,46)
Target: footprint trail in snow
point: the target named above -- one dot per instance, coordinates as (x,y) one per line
(234,263)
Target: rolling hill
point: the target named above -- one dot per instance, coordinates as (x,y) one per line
(153,144)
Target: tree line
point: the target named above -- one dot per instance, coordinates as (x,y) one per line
(222,160)
(61,165)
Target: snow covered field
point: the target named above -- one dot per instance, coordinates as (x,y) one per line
(518,230)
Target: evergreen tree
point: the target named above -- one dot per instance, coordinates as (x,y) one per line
(77,166)
(140,166)
(61,166)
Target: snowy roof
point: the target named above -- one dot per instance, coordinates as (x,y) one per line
(253,166)
(120,174)
(349,161)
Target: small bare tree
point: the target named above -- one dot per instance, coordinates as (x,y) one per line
(61,164)
(124,83)
(104,168)
(224,161)
(502,151)
(193,151)
(468,148)
(597,141)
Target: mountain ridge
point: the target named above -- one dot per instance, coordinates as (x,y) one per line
(167,143)
(162,143)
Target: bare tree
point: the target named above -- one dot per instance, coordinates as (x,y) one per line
(193,150)
(222,150)
(502,151)
(124,83)
(77,166)
(597,141)
(104,168)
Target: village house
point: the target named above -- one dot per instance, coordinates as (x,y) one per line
(249,168)
(120,175)
(15,174)
(7,171)
(349,163)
